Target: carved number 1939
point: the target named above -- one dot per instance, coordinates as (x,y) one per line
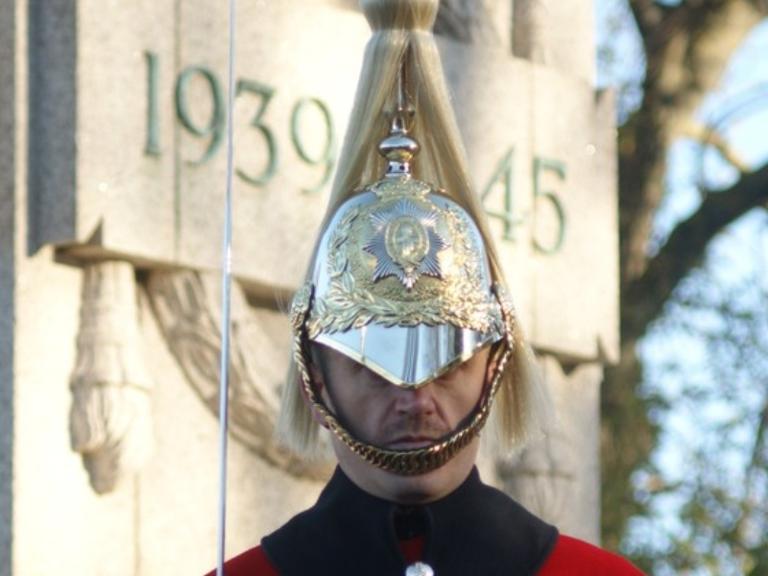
(257,93)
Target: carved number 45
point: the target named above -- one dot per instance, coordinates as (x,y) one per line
(502,179)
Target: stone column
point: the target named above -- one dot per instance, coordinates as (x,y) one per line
(531,119)
(52,522)
(124,129)
(9,105)
(557,34)
(484,22)
(558,476)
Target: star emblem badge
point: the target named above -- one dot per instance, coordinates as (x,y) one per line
(405,243)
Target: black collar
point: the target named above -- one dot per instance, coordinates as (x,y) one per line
(474,530)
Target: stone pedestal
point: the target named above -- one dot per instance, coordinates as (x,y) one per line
(558,476)
(559,35)
(8,245)
(113,160)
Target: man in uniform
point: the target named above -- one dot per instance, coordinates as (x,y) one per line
(405,346)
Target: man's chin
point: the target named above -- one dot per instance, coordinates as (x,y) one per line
(407,489)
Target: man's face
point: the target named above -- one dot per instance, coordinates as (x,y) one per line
(382,414)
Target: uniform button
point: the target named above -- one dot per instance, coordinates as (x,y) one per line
(419,569)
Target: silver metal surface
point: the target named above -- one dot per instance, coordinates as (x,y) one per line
(405,244)
(408,356)
(226,284)
(404,348)
(419,569)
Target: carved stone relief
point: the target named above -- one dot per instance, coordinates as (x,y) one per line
(111,413)
(542,477)
(557,477)
(187,307)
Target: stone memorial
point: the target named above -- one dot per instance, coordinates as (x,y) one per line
(112,179)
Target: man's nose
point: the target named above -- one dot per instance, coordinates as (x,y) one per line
(415,400)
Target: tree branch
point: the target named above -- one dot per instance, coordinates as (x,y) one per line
(687,48)
(659,23)
(644,298)
(646,13)
(708,136)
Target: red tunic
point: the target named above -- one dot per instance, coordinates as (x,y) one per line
(570,557)
(476,529)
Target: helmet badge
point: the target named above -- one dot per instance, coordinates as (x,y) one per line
(405,243)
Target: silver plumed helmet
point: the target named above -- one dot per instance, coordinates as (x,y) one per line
(402,285)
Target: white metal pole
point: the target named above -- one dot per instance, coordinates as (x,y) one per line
(226,284)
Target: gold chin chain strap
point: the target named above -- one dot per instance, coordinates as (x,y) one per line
(403,462)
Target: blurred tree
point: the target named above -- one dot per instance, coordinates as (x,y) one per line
(674,285)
